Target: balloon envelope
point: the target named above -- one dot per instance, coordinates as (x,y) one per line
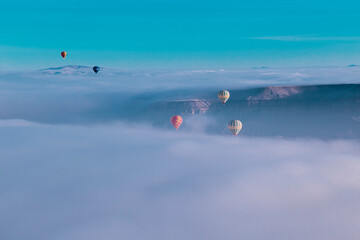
(176,121)
(63,54)
(96,69)
(235,126)
(223,95)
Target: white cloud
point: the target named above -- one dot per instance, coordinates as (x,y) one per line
(308,38)
(135,81)
(136,182)
(356,119)
(16,123)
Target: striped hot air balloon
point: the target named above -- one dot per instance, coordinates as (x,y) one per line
(223,95)
(235,126)
(63,54)
(176,121)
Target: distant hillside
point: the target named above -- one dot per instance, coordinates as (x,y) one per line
(69,69)
(57,95)
(327,111)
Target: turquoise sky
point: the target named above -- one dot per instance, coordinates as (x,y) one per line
(182,34)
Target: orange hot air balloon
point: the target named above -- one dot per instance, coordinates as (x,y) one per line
(176,121)
(63,54)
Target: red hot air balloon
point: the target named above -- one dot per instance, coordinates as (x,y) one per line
(176,121)
(63,54)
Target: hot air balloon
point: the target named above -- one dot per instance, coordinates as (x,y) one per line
(63,54)
(235,126)
(176,121)
(96,69)
(223,95)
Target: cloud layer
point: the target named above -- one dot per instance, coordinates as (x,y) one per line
(99,178)
(137,182)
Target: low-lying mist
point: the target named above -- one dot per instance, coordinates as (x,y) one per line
(122,181)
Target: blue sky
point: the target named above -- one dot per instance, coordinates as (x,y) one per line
(168,34)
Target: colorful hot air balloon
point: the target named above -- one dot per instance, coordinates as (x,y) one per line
(96,69)
(176,121)
(223,95)
(235,126)
(63,54)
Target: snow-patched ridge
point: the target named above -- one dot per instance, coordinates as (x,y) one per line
(194,105)
(274,92)
(189,106)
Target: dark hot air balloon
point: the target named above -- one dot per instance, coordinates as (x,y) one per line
(63,54)
(96,69)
